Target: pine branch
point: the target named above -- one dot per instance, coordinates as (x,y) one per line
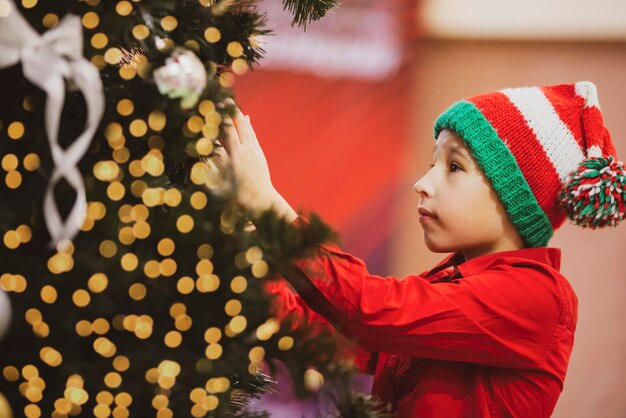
(305,11)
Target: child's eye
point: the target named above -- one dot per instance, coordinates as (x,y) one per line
(454,167)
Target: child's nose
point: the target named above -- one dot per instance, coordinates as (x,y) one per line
(421,187)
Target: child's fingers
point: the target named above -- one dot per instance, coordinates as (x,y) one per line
(232,140)
(221,157)
(244,128)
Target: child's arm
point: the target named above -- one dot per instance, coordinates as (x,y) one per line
(508,316)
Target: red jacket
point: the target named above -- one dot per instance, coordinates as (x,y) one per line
(489,337)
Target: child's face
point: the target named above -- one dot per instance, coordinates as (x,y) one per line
(459,210)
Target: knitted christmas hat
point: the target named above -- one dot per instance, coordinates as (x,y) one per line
(547,154)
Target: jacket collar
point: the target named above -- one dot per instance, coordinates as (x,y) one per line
(545,255)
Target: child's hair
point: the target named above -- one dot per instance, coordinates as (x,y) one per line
(547,154)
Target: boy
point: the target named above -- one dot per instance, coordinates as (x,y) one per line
(489,331)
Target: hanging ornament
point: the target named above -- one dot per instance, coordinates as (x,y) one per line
(5,315)
(183,76)
(50,61)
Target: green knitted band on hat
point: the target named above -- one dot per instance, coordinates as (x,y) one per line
(500,167)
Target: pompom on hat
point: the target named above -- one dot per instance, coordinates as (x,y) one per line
(547,154)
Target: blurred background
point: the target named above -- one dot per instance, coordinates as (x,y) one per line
(345,112)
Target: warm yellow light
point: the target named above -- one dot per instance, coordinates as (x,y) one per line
(198,200)
(108,248)
(209,283)
(62,406)
(48,294)
(205,107)
(125,107)
(172,197)
(151,197)
(99,40)
(11,239)
(217,385)
(212,335)
(101,326)
(13,179)
(139,212)
(137,291)
(232,307)
(234,49)
(126,235)
(213,351)
(199,173)
(153,164)
(113,380)
(138,187)
(138,128)
(168,267)
(11,373)
(210,403)
(31,162)
(260,269)
(135,168)
(127,72)
(183,322)
(121,155)
(129,262)
(254,254)
(195,123)
(185,285)
(204,267)
(313,380)
(239,284)
(33,316)
(15,130)
(50,356)
(121,364)
(123,8)
(141,229)
(238,324)
(81,298)
(184,223)
(9,162)
(141,32)
(169,23)
(212,35)
(106,170)
(205,251)
(240,66)
(84,328)
(256,354)
(96,210)
(151,269)
(98,282)
(116,191)
(157,120)
(285,343)
(197,395)
(160,401)
(104,398)
(173,339)
(177,309)
(90,20)
(227,80)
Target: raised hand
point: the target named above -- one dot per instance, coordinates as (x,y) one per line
(255,191)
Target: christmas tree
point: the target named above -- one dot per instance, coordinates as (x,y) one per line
(136,284)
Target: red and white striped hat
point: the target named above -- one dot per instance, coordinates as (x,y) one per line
(547,154)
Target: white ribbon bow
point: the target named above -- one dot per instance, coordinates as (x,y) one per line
(47,60)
